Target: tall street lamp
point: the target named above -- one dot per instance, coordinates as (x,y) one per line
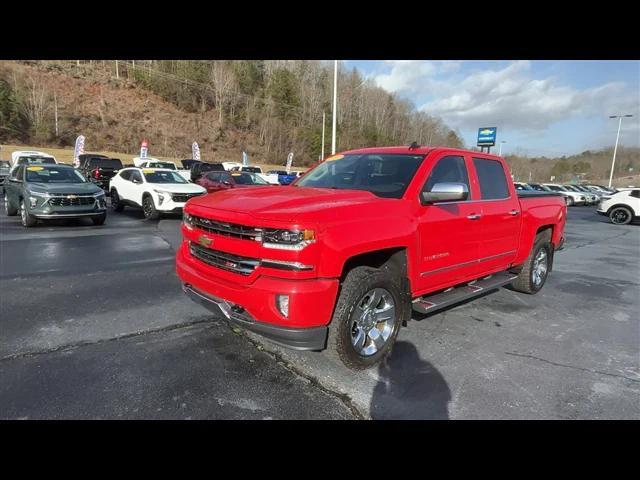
(335,107)
(615,149)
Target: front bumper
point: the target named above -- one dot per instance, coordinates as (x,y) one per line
(294,338)
(253,305)
(47,210)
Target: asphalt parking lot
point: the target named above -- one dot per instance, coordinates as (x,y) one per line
(94,325)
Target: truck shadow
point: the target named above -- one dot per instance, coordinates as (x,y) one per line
(409,388)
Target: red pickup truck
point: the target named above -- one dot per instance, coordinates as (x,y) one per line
(341,257)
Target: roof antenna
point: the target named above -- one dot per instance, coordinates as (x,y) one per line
(414,146)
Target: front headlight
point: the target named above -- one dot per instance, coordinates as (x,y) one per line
(40,194)
(99,194)
(161,195)
(287,239)
(187,220)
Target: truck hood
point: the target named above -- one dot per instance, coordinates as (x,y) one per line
(64,188)
(286,203)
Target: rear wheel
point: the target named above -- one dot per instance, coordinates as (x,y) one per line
(10,209)
(149,208)
(368,315)
(27,219)
(536,268)
(620,215)
(116,204)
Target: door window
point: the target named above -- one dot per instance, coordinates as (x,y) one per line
(136,176)
(493,183)
(448,169)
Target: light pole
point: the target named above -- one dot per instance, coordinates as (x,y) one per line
(322,151)
(615,149)
(500,148)
(335,101)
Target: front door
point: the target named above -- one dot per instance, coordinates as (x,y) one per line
(449,232)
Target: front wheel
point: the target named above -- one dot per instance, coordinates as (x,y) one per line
(116,204)
(149,208)
(99,220)
(27,219)
(620,216)
(368,315)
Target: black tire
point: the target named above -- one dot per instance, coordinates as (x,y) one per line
(149,208)
(99,220)
(620,215)
(353,289)
(27,219)
(526,281)
(116,204)
(9,209)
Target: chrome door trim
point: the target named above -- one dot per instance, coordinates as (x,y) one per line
(458,265)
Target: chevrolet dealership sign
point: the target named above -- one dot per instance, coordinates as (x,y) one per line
(487,136)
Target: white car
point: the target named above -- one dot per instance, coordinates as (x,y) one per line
(155,190)
(622,207)
(590,197)
(186,174)
(573,198)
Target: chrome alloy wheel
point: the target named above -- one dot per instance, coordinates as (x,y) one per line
(23,213)
(540,266)
(373,321)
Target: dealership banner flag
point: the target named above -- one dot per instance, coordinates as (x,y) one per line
(144,148)
(79,150)
(245,159)
(289,161)
(195,151)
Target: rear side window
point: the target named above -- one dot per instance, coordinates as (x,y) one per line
(635,193)
(493,183)
(448,169)
(214,177)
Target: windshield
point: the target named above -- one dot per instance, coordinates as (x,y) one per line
(163,176)
(384,175)
(53,175)
(522,186)
(555,188)
(252,169)
(105,163)
(26,160)
(168,165)
(246,178)
(571,188)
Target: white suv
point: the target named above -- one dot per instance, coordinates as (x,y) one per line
(621,207)
(155,190)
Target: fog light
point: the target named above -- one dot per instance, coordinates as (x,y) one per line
(282,302)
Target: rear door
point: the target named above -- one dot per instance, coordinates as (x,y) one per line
(449,232)
(500,220)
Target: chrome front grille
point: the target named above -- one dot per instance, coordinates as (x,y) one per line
(224,260)
(71,201)
(227,229)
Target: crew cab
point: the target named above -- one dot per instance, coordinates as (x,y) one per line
(216,181)
(342,257)
(100,169)
(622,207)
(24,157)
(155,190)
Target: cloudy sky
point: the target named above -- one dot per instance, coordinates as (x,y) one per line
(540,107)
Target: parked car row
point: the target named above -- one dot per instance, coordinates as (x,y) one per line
(573,194)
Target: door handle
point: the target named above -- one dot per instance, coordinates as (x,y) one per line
(514,212)
(474,216)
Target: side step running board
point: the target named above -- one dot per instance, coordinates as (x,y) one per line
(451,296)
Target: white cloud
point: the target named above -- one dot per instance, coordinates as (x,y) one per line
(508,97)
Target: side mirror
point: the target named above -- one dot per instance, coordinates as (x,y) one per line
(445,192)
(226,182)
(135,180)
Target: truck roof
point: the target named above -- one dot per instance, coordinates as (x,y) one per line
(420,150)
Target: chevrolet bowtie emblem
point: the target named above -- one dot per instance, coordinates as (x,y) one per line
(71,197)
(205,241)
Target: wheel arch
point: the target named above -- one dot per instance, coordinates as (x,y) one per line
(623,205)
